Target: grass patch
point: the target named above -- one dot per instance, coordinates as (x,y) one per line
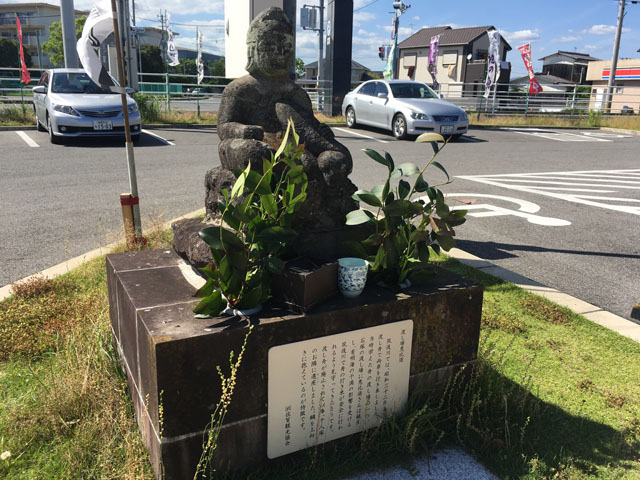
(16,115)
(628,122)
(552,395)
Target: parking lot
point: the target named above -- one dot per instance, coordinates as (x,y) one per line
(559,206)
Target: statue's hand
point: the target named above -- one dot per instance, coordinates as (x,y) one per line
(240,130)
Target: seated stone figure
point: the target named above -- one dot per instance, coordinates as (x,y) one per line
(253,115)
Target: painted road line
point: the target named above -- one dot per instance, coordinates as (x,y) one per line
(158,137)
(361,135)
(497,181)
(559,136)
(27,139)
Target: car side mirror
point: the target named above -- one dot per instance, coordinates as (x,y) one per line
(39,89)
(441,96)
(129,91)
(383,95)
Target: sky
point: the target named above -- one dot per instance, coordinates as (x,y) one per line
(586,26)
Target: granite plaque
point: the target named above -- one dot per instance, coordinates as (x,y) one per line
(330,387)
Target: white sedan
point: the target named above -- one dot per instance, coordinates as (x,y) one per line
(405,107)
(69,104)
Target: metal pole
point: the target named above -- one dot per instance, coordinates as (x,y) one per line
(394,67)
(39,51)
(131,163)
(197,71)
(67,18)
(493,100)
(320,55)
(614,60)
(526,107)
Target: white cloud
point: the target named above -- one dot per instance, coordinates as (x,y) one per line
(590,47)
(568,38)
(360,17)
(600,30)
(416,18)
(365,33)
(403,32)
(521,35)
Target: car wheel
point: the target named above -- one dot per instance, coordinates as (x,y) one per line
(400,127)
(38,123)
(52,138)
(351,117)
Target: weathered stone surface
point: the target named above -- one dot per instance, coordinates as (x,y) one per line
(188,244)
(216,180)
(253,115)
(166,349)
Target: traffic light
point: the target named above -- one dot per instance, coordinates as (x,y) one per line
(381,52)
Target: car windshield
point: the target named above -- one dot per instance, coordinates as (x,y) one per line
(412,90)
(75,82)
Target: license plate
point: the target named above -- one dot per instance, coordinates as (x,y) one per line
(102,125)
(446,129)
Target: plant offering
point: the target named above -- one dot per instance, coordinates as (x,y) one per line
(255,233)
(407,228)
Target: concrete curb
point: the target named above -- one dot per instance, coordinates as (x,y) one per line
(72,263)
(597,315)
(524,127)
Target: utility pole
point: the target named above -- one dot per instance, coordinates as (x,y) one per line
(320,57)
(614,59)
(68,21)
(399,8)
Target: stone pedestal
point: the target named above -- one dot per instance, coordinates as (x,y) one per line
(170,357)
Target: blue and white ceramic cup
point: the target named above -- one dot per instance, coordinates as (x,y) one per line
(352,276)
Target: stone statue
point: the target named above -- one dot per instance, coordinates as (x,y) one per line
(253,115)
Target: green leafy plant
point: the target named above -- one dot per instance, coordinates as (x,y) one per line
(255,233)
(407,229)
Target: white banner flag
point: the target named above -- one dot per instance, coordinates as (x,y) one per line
(199,63)
(172,52)
(97,28)
(493,70)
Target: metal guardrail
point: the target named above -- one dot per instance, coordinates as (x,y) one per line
(182,90)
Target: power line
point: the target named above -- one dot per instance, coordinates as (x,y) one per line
(365,6)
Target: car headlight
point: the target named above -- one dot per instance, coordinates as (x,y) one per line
(132,108)
(463,116)
(66,109)
(420,116)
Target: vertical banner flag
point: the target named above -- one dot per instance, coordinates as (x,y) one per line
(172,52)
(97,28)
(199,63)
(388,72)
(493,69)
(432,67)
(534,85)
(25,76)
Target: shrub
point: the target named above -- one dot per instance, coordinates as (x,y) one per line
(149,107)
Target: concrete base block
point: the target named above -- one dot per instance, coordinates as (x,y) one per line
(171,357)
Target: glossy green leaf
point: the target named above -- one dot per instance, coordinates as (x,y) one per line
(367,197)
(379,259)
(357,217)
(402,208)
(421,185)
(435,147)
(446,242)
(395,174)
(257,183)
(206,290)
(210,305)
(276,234)
(378,158)
(387,157)
(269,205)
(408,169)
(355,248)
(403,189)
(430,137)
(440,167)
(275,265)
(284,142)
(250,299)
(238,187)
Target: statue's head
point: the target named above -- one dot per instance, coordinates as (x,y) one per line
(270,47)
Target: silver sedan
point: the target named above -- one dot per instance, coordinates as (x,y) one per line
(404,107)
(69,104)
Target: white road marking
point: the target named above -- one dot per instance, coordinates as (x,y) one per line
(503,180)
(605,135)
(27,139)
(361,135)
(163,140)
(525,209)
(559,136)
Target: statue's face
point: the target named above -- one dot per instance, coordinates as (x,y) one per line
(271,54)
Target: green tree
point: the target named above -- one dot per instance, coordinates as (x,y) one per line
(53,47)
(9,56)
(217,69)
(151,62)
(299,68)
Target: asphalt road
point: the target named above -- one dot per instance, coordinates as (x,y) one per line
(561,207)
